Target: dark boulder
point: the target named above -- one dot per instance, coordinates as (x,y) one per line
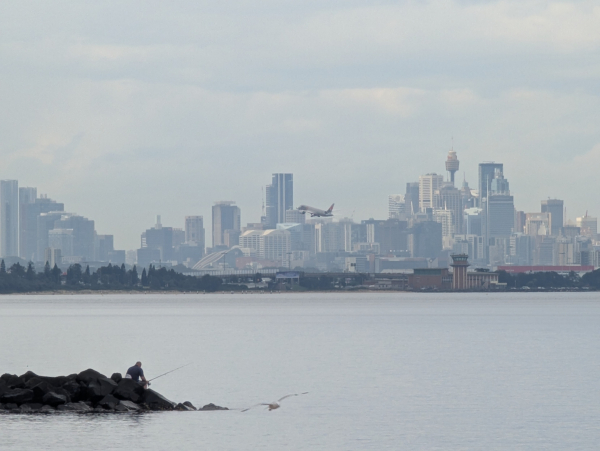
(99,388)
(17,396)
(54,399)
(212,406)
(129,390)
(3,387)
(189,404)
(13,381)
(32,382)
(89,375)
(41,389)
(11,406)
(108,402)
(156,401)
(116,377)
(121,408)
(24,408)
(47,409)
(28,375)
(73,389)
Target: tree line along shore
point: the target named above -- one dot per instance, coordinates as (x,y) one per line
(20,279)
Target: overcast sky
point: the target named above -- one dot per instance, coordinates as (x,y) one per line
(124,110)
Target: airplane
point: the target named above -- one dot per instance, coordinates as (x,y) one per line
(316,211)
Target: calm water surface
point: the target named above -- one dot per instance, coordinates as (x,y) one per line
(384,371)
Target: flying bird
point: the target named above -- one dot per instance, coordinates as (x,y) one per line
(275,404)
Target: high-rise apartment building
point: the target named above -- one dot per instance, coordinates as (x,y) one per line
(83,235)
(9,218)
(556,208)
(295,216)
(280,198)
(28,227)
(194,230)
(427,185)
(225,216)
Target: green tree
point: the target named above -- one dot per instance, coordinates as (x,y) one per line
(47,271)
(17,270)
(144,278)
(30,274)
(2,267)
(56,273)
(134,276)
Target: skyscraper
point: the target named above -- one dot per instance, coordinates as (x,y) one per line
(194,230)
(280,198)
(427,185)
(9,218)
(411,199)
(225,216)
(27,196)
(555,207)
(486,175)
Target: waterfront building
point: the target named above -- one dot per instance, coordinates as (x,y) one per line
(459,266)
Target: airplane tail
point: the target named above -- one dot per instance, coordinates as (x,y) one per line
(330,208)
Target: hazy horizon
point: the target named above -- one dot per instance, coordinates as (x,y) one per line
(125,110)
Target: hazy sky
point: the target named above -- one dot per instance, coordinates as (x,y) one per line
(124,110)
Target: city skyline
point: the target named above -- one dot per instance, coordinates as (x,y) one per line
(168,120)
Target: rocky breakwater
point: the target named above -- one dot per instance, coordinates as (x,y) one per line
(86,392)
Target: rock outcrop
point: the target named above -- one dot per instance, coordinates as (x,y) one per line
(86,392)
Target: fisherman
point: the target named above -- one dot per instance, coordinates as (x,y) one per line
(136,372)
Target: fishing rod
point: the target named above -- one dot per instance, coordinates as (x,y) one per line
(164,374)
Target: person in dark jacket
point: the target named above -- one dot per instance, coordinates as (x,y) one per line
(137,374)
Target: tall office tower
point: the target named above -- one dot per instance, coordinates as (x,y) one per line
(9,218)
(280,198)
(427,185)
(194,230)
(393,237)
(83,235)
(555,207)
(411,199)
(486,175)
(499,208)
(467,199)
(452,164)
(448,197)
(225,216)
(104,247)
(27,196)
(396,206)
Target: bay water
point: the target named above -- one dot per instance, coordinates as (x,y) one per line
(504,371)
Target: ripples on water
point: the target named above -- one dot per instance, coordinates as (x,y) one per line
(384,371)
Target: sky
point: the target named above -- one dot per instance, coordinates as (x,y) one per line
(128,109)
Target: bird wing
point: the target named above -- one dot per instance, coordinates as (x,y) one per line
(256,405)
(291,394)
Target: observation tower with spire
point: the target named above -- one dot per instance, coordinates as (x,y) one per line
(452,164)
